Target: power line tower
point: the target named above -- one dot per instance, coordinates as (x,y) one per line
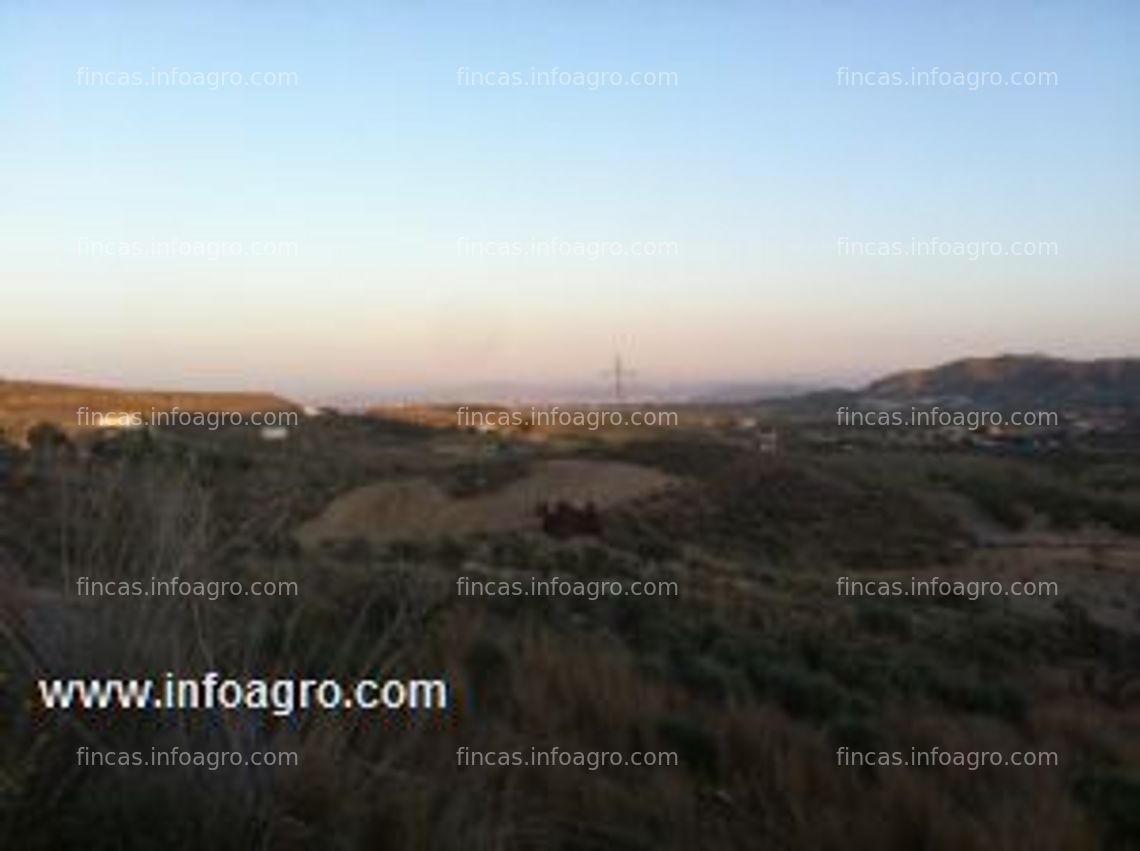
(621,376)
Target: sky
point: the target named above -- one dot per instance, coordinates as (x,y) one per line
(380,216)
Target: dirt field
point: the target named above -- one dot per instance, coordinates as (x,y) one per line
(415,508)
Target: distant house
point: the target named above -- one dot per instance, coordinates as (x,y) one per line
(274,433)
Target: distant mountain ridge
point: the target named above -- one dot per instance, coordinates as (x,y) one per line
(1039,380)
(1005,382)
(597,392)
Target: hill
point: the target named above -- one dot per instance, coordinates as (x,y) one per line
(1005,382)
(1022,380)
(23,404)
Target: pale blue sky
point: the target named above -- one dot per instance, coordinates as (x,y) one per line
(378,171)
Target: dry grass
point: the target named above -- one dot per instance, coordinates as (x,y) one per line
(703,674)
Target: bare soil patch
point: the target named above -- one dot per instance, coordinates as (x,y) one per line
(416,508)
